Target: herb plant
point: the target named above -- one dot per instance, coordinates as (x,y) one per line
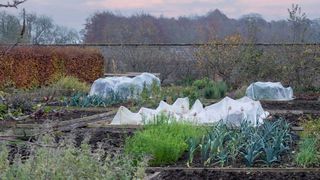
(165,140)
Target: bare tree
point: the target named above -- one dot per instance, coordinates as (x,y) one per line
(299,22)
(12,4)
(19,38)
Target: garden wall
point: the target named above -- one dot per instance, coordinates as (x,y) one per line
(32,66)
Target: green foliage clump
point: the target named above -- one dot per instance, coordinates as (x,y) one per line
(210,89)
(3,111)
(191,93)
(224,144)
(202,83)
(308,153)
(204,88)
(83,100)
(165,140)
(71,83)
(60,161)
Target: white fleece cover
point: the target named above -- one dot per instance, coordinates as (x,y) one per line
(228,111)
(269,91)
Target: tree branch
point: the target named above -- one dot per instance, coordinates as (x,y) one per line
(13,4)
(6,51)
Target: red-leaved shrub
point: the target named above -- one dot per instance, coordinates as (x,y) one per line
(28,66)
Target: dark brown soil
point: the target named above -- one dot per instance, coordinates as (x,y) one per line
(296,119)
(111,139)
(221,175)
(291,105)
(53,116)
(308,96)
(59,115)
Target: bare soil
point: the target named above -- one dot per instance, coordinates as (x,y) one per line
(311,96)
(291,105)
(53,116)
(110,139)
(296,119)
(221,175)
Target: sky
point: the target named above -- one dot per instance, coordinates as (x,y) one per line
(73,13)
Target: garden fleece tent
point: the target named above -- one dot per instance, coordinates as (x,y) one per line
(123,87)
(229,111)
(269,91)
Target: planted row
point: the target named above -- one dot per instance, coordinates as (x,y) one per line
(165,140)
(225,145)
(308,154)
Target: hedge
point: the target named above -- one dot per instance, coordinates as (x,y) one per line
(25,67)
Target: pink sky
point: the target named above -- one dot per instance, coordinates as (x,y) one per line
(73,13)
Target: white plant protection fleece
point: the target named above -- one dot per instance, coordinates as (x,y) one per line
(123,87)
(269,91)
(229,111)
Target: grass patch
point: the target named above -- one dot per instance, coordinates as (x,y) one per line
(165,140)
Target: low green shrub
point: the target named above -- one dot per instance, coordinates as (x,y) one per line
(202,83)
(210,89)
(71,83)
(211,92)
(49,160)
(165,140)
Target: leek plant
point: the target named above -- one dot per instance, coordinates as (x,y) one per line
(83,100)
(224,144)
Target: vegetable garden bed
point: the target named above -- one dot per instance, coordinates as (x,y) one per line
(94,122)
(234,173)
(292,105)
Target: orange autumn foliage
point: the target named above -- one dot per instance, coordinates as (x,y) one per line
(27,67)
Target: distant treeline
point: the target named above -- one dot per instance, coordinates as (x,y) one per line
(108,27)
(38,29)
